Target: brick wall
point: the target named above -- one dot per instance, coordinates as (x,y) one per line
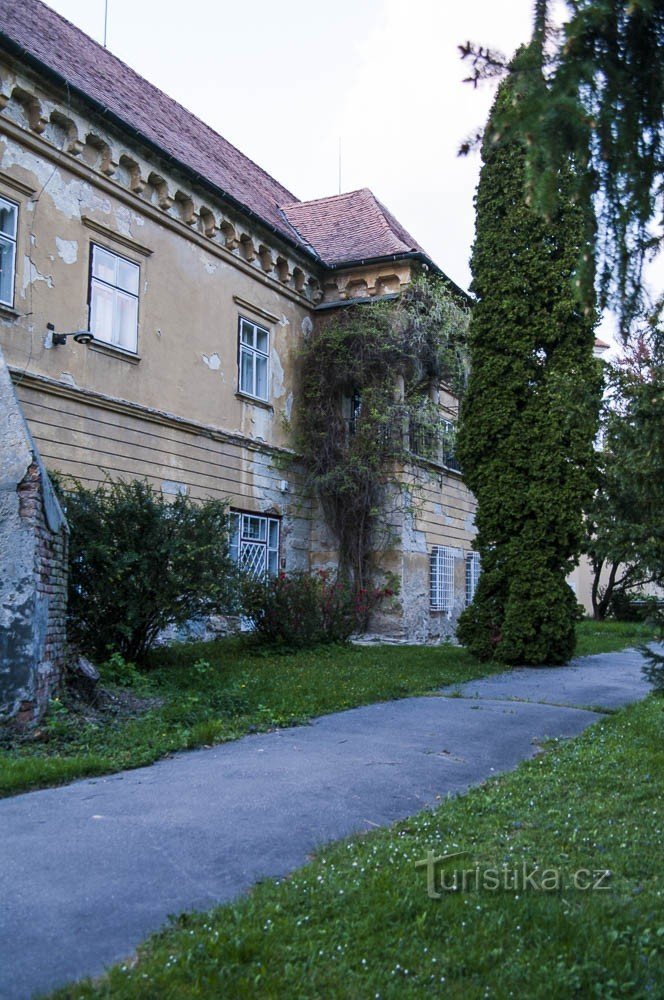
(33,571)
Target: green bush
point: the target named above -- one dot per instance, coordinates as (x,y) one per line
(298,610)
(139,562)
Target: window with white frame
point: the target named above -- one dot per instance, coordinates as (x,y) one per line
(114,283)
(254,543)
(8,223)
(442,579)
(253,357)
(472,575)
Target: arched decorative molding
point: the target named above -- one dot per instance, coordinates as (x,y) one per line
(282,269)
(72,141)
(161,192)
(71,132)
(247,247)
(266,258)
(136,180)
(388,284)
(32,109)
(108,159)
(356,288)
(208,221)
(186,208)
(231,239)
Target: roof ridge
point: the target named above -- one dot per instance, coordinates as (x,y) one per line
(328,197)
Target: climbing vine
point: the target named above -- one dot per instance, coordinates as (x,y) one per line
(367,375)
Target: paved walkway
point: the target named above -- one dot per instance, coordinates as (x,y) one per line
(87,871)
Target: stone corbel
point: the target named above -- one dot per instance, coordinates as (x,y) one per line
(247,247)
(283,270)
(208,221)
(164,199)
(266,258)
(185,204)
(231,240)
(136,180)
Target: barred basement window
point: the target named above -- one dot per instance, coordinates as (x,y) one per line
(472,575)
(442,579)
(254,543)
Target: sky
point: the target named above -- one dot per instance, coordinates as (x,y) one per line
(288,82)
(359,93)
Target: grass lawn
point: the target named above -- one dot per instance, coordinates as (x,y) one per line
(200,694)
(359,922)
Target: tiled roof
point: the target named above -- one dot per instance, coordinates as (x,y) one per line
(349,227)
(100,75)
(344,228)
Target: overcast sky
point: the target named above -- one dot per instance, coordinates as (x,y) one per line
(285,81)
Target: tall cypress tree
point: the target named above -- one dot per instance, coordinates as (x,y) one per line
(529,416)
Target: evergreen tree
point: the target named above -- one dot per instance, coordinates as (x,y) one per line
(530,413)
(603,104)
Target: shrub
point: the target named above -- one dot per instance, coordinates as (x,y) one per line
(307,609)
(140,562)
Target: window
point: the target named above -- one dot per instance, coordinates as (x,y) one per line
(114,299)
(472,575)
(442,579)
(254,543)
(254,351)
(8,220)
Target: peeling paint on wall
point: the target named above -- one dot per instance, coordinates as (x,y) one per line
(288,406)
(174,489)
(213,361)
(277,370)
(31,275)
(67,250)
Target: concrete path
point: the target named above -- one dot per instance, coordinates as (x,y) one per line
(89,870)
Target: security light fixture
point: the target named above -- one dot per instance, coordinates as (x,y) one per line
(80,336)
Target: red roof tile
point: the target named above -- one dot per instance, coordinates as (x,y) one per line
(343,228)
(100,75)
(349,227)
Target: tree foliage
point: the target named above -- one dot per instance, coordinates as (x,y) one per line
(140,562)
(350,419)
(603,106)
(529,416)
(625,524)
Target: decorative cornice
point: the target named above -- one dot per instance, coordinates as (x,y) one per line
(270,317)
(112,234)
(37,119)
(17,185)
(46,384)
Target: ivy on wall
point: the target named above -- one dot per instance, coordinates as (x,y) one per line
(368,371)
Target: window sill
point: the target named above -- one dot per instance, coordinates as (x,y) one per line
(9,311)
(263,403)
(114,352)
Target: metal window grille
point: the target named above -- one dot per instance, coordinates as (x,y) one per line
(442,579)
(472,575)
(254,543)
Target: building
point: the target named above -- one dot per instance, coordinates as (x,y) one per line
(155,287)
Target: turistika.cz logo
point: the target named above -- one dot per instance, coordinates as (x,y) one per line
(440,879)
